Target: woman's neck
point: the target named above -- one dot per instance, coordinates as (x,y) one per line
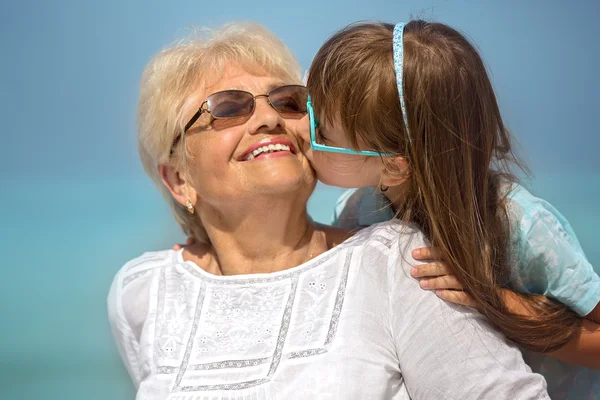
(262,239)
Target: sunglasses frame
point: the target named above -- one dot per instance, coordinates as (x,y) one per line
(202,109)
(332,149)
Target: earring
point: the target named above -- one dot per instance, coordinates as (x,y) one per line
(383,188)
(189,206)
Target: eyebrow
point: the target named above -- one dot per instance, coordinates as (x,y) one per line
(270,87)
(275,85)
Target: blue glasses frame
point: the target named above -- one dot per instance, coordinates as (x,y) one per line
(332,149)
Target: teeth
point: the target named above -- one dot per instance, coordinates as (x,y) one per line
(267,149)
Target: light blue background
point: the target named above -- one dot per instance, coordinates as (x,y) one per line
(75,204)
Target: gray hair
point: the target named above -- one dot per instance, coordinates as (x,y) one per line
(170,88)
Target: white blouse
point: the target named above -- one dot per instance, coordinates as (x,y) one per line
(349,324)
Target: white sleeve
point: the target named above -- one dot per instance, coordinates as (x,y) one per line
(126,342)
(447,351)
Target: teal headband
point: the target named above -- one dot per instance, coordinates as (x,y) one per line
(398,61)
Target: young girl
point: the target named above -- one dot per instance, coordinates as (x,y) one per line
(410,110)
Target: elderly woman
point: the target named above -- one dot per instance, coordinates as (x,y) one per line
(267,304)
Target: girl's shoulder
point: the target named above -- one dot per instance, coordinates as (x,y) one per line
(520,200)
(361,207)
(546,255)
(530,215)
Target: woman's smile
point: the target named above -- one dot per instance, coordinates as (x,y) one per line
(269,148)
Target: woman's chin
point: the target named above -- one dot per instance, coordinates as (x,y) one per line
(280,171)
(294,182)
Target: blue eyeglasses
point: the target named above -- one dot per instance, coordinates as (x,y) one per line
(332,149)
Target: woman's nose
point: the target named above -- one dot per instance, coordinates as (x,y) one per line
(264,117)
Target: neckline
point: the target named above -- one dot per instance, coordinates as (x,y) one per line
(194,269)
(357,238)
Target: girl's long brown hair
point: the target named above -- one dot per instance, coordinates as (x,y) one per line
(459,153)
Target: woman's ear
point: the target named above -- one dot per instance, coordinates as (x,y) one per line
(395,171)
(177,184)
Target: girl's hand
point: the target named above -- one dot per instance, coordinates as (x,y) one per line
(436,276)
(190,241)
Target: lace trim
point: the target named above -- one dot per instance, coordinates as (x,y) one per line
(134,276)
(145,258)
(339,301)
(335,318)
(307,353)
(188,350)
(217,365)
(240,385)
(166,370)
(160,304)
(230,364)
(233,386)
(285,324)
(281,339)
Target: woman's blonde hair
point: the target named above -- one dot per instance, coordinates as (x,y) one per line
(171,87)
(459,152)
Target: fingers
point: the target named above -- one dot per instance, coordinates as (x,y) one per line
(426,253)
(436,268)
(456,297)
(441,282)
(436,276)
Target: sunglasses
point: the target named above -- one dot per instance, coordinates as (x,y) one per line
(289,101)
(314,143)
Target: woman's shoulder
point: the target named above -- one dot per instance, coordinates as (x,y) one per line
(394,234)
(146,262)
(136,276)
(129,295)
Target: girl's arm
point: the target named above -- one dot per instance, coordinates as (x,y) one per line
(583,349)
(595,314)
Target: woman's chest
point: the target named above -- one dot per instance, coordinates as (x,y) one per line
(213,336)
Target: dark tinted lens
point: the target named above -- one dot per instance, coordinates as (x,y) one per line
(289,99)
(230,104)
